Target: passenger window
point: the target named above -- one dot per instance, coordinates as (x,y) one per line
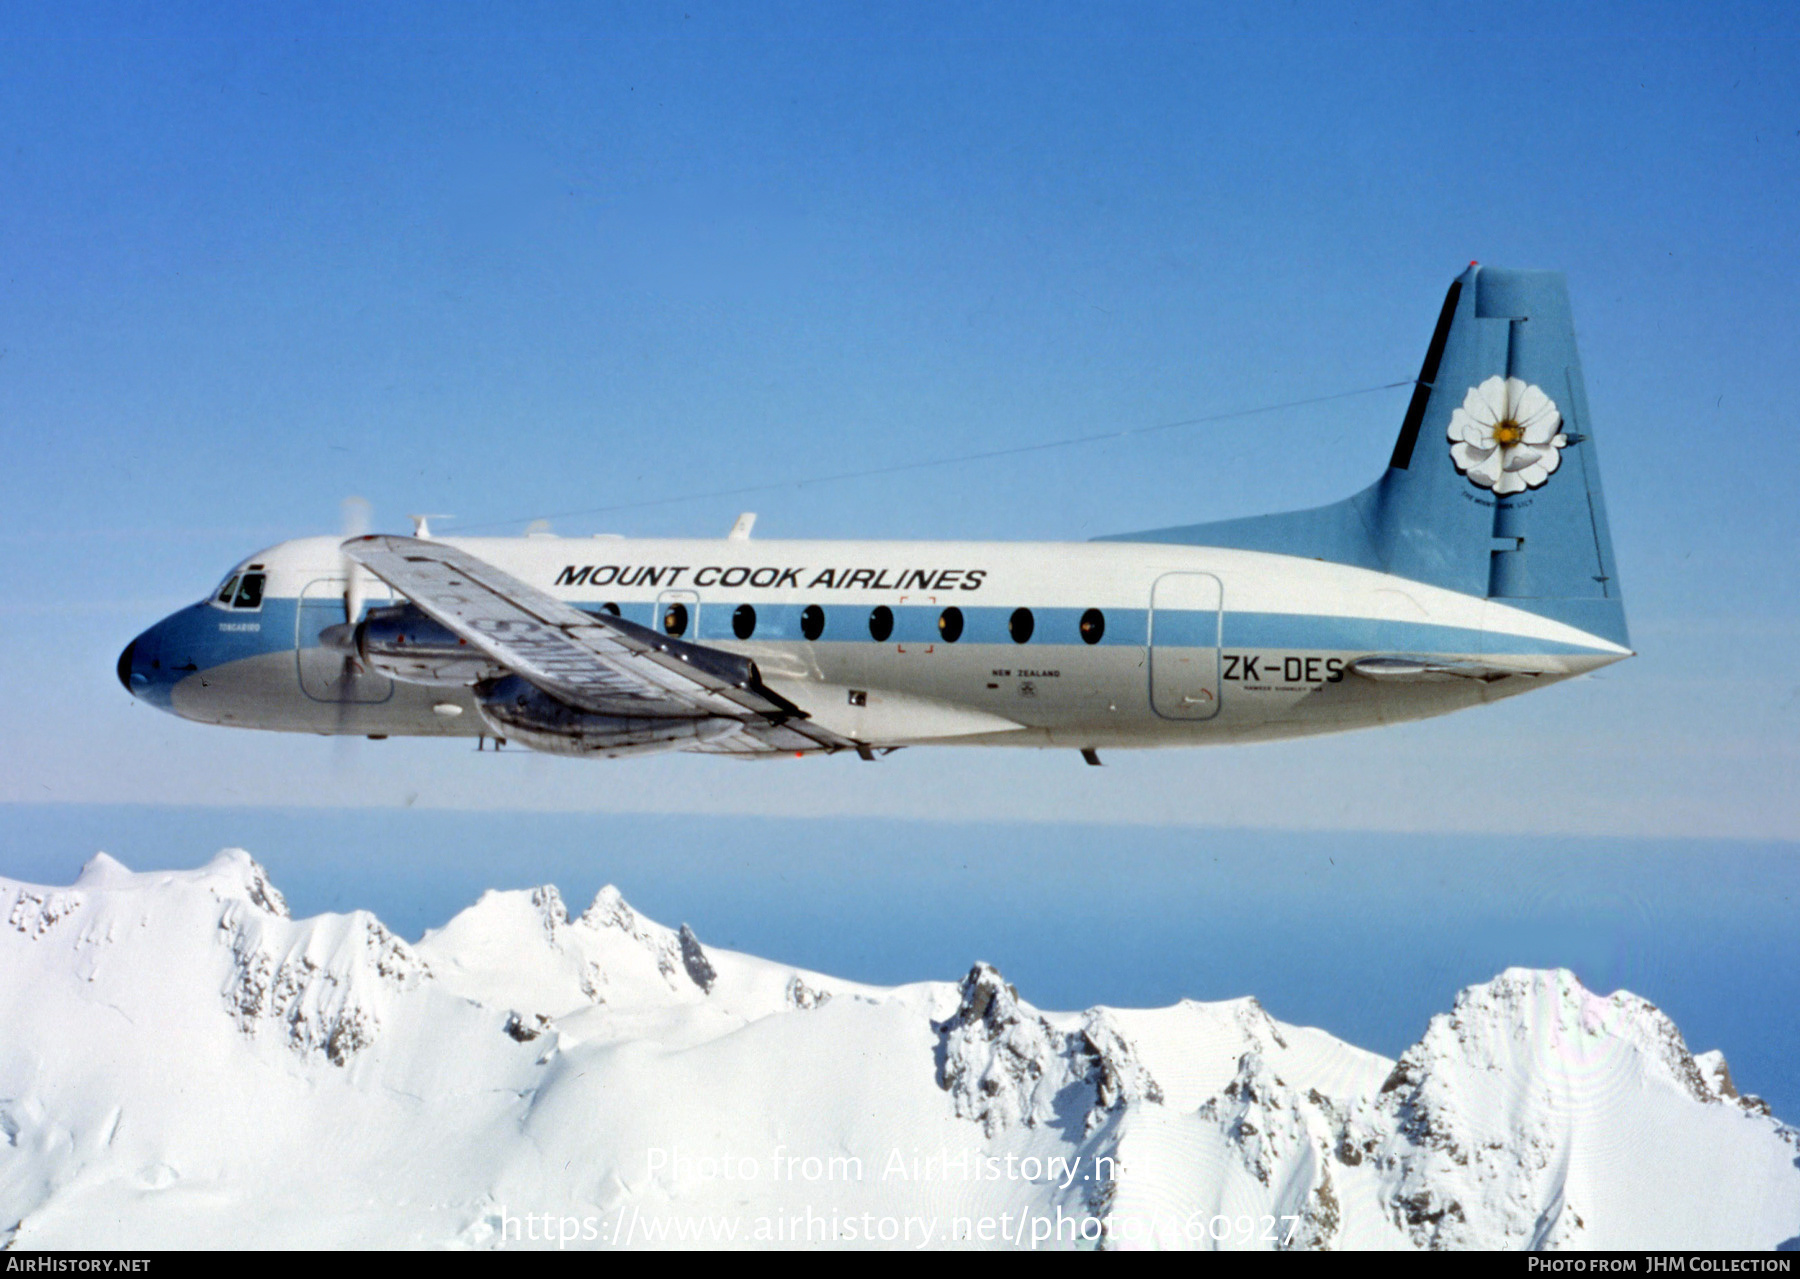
(675,619)
(1093,626)
(743,621)
(228,591)
(950,624)
(881,623)
(249,594)
(812,622)
(1021,625)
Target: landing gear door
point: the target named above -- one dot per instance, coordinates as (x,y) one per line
(1185,627)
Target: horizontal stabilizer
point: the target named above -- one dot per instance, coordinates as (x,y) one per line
(1414,670)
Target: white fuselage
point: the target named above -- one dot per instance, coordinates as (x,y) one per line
(1194,645)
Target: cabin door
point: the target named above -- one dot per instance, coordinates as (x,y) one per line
(1185,627)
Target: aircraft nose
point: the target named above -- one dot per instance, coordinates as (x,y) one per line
(143,668)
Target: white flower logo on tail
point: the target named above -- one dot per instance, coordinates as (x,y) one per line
(1505,436)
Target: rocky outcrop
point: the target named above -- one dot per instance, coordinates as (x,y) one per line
(319,986)
(694,961)
(1005,1065)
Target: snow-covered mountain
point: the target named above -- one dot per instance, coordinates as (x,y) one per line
(182,1064)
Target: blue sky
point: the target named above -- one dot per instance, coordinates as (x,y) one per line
(523,261)
(541,260)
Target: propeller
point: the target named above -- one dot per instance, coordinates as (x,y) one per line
(342,635)
(355,523)
(354,520)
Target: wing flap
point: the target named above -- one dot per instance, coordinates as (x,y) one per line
(602,664)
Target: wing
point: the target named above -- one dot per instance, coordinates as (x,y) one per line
(595,662)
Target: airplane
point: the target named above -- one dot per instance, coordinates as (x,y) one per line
(1478,566)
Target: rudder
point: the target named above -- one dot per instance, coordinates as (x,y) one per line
(1494,486)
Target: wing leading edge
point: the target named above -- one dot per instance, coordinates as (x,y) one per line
(596,663)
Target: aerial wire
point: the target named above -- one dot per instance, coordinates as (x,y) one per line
(896,468)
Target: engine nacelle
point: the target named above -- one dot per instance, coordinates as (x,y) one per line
(518,710)
(404,644)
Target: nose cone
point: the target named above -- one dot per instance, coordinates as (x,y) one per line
(141,670)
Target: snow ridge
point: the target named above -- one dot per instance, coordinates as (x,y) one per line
(1284,1141)
(320,987)
(1475,1131)
(182,1063)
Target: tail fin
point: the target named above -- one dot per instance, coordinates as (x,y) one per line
(1494,485)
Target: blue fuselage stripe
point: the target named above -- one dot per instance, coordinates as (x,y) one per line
(202,637)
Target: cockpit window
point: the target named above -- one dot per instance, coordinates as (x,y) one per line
(228,591)
(250,591)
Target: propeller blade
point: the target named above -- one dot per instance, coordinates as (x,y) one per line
(355,523)
(356,513)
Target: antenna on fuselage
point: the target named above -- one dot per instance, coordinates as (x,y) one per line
(740,532)
(422,524)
